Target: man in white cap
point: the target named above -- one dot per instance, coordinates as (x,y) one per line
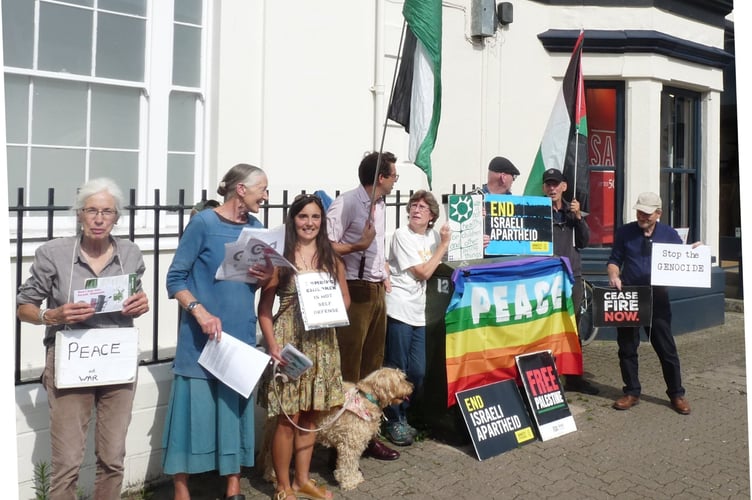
(630,264)
(570,234)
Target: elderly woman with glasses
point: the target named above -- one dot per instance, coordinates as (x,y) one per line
(60,268)
(208,425)
(416,251)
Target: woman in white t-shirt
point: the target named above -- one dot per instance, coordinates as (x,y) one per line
(415,253)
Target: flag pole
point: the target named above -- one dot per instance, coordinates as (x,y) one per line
(578,105)
(386,115)
(381,145)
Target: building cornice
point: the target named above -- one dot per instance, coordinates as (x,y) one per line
(712,12)
(636,41)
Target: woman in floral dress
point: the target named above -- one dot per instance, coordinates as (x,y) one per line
(319,388)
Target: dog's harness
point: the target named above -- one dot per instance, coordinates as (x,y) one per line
(355,404)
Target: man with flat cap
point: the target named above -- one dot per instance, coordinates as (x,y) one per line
(501,175)
(630,264)
(570,234)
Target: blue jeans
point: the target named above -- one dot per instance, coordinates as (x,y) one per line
(406,350)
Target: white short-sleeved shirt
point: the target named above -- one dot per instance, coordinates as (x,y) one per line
(407,300)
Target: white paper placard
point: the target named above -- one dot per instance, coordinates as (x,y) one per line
(321,302)
(235,363)
(680,265)
(95,356)
(251,248)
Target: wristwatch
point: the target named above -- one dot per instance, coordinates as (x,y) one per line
(193,305)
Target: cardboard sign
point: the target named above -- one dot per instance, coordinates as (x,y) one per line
(465,218)
(680,265)
(545,395)
(496,417)
(96,356)
(518,225)
(632,306)
(321,302)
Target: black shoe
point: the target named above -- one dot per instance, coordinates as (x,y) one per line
(575,383)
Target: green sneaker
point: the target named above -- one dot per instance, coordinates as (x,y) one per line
(410,429)
(397,433)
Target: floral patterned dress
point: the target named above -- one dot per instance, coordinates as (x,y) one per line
(319,388)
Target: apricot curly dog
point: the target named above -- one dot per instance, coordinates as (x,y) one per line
(350,431)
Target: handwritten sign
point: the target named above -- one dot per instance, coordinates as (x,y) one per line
(680,265)
(95,356)
(632,306)
(321,302)
(518,225)
(465,218)
(496,418)
(545,395)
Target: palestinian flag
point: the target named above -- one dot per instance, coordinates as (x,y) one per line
(564,144)
(416,99)
(502,310)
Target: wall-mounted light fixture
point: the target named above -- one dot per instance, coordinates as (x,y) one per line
(505,13)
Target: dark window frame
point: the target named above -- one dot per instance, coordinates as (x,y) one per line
(678,178)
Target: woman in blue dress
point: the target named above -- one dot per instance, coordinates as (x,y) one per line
(208,425)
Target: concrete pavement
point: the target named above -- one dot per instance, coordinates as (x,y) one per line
(648,451)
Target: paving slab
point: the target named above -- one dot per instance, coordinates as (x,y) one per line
(649,451)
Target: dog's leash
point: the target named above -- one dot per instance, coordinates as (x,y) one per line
(349,395)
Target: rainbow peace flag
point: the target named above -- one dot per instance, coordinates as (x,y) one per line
(504,309)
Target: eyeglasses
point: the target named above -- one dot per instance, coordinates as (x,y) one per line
(107,213)
(514,177)
(420,208)
(393,176)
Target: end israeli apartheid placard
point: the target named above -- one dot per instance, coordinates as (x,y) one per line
(518,225)
(680,265)
(496,418)
(545,395)
(630,306)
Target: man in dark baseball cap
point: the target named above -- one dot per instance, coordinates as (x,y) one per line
(553,175)
(501,175)
(570,234)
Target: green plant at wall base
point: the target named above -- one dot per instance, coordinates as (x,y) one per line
(42,475)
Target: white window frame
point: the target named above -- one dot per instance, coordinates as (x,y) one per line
(153,117)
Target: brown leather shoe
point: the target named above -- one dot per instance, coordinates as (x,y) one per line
(680,405)
(380,451)
(626,402)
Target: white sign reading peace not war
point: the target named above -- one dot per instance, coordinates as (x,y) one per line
(97,356)
(680,265)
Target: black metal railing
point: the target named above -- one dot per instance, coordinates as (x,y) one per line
(395,210)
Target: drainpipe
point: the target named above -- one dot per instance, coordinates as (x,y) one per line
(378,85)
